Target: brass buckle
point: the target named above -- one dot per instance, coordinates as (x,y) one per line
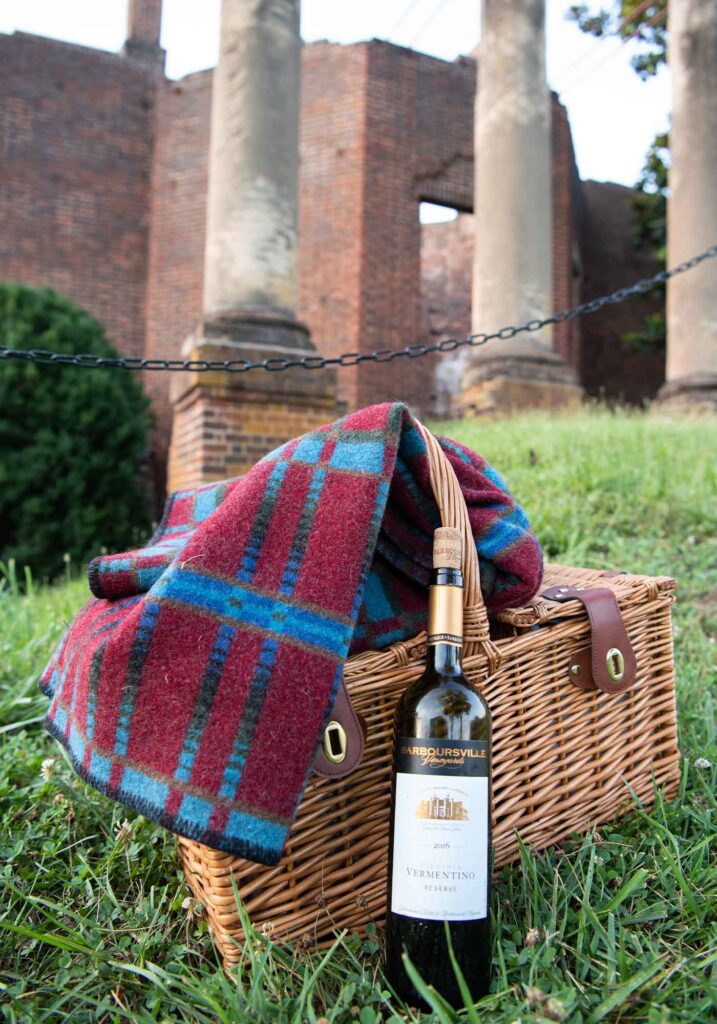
(615,664)
(335,742)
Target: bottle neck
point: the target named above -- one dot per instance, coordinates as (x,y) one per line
(445,659)
(445,622)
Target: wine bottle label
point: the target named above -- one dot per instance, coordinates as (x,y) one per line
(441,830)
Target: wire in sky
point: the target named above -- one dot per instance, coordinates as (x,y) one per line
(608,55)
(429,21)
(401,18)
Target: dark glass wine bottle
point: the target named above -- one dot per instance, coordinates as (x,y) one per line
(439,863)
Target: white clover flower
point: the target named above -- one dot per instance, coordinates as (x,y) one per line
(47,767)
(193,907)
(123,831)
(554,1009)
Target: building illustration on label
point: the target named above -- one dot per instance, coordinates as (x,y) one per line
(442,808)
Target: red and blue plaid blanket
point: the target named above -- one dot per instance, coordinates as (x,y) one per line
(195,685)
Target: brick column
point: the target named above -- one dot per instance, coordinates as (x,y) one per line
(144,22)
(224,422)
(512,271)
(692,208)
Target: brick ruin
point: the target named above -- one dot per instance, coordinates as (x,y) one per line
(104,179)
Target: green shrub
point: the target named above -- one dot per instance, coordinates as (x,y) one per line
(71,439)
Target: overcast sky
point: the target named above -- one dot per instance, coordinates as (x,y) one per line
(613,115)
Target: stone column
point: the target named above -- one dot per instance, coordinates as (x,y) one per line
(250,257)
(512,269)
(224,422)
(692,207)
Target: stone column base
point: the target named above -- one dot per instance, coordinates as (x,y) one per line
(256,328)
(695,395)
(225,422)
(503,385)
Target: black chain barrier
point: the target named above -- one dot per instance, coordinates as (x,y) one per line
(384,355)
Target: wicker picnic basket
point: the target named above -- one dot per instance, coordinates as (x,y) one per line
(564,757)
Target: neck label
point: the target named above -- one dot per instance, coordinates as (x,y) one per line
(445,615)
(444,638)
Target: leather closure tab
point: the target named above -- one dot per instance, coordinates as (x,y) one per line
(342,740)
(610,664)
(580,669)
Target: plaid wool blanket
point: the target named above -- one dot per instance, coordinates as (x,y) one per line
(195,684)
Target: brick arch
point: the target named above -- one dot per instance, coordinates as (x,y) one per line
(450,184)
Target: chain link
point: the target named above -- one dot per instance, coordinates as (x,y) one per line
(384,355)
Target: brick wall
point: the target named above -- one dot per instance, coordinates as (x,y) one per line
(216,437)
(104,173)
(447,260)
(75,160)
(331,189)
(446,280)
(381,128)
(384,128)
(176,241)
(122,231)
(418,147)
(223,424)
(610,367)
(566,262)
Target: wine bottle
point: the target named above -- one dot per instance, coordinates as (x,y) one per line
(439,847)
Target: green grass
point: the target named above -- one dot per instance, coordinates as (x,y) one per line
(615,927)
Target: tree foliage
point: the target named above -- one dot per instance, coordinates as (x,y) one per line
(649,205)
(629,19)
(650,201)
(645,23)
(71,440)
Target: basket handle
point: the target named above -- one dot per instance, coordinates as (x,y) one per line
(476,633)
(454,512)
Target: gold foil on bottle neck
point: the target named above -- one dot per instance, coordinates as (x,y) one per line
(445,615)
(447,548)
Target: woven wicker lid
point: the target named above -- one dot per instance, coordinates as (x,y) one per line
(628,588)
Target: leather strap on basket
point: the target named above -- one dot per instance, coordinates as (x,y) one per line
(343,739)
(609,664)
